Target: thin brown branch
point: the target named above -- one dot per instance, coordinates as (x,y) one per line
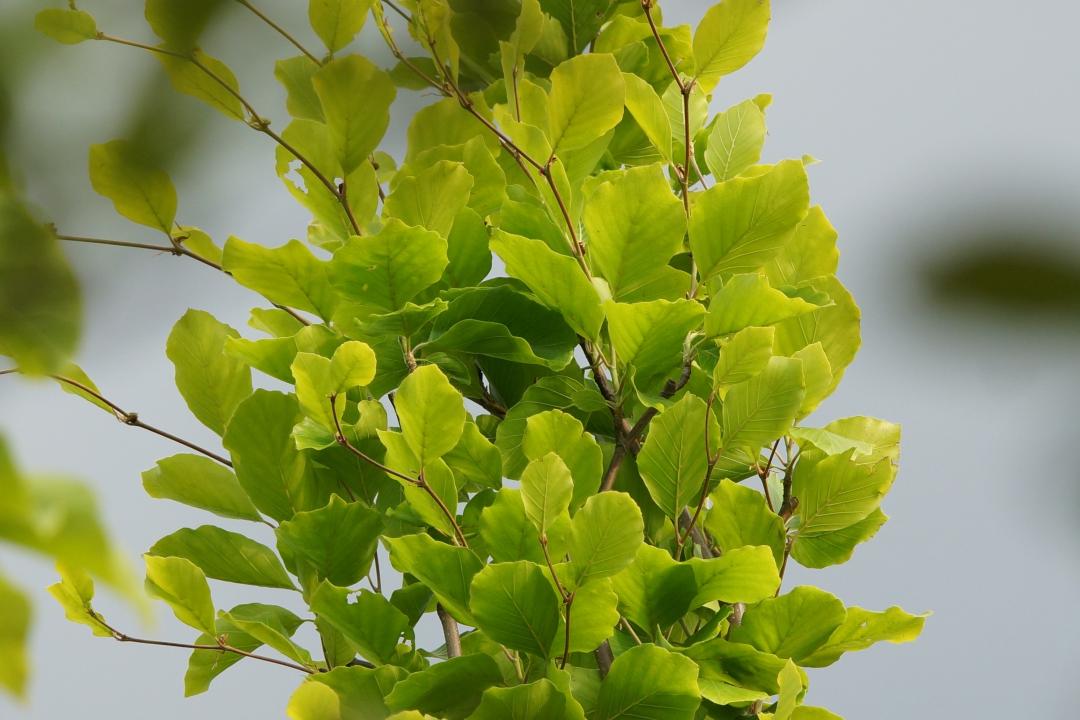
(221,646)
(171,249)
(420,482)
(280,30)
(631,442)
(127,417)
(255,121)
(177,249)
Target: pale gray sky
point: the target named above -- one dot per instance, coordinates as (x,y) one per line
(931,118)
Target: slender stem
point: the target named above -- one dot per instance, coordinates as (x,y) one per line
(120,243)
(450,632)
(763,473)
(647,6)
(126,417)
(222,646)
(568,605)
(256,120)
(280,30)
(419,482)
(551,568)
(398,10)
(177,249)
(633,436)
(629,629)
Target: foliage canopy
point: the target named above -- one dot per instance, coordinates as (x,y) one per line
(541,364)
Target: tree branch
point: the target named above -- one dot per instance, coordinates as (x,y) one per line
(450,632)
(255,121)
(280,30)
(127,417)
(419,482)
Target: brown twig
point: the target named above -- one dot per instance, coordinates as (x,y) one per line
(255,121)
(420,482)
(221,646)
(129,418)
(280,30)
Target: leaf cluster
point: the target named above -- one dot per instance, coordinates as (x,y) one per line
(541,364)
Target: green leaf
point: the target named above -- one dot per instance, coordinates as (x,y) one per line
(729,36)
(835,492)
(829,442)
(833,548)
(356,97)
(648,111)
(882,436)
(475,459)
(810,253)
(515,605)
(862,628)
(506,532)
(635,224)
(586,100)
(70,27)
(287,275)
(360,693)
(270,625)
(673,459)
(143,194)
(338,542)
(225,555)
(383,272)
(735,140)
(745,575)
(791,686)
(650,337)
(740,517)
(540,699)
(734,672)
(39,296)
(655,590)
(563,434)
(446,570)
(546,489)
(337,22)
(179,23)
(431,411)
(650,683)
(593,618)
(793,625)
(580,19)
(15,615)
(836,327)
(319,378)
(556,280)
(205,665)
(295,76)
(450,689)
(75,592)
(212,382)
(182,585)
(431,199)
(502,322)
(605,536)
(367,620)
(438,477)
(740,225)
(747,301)
(269,468)
(220,92)
(741,357)
(763,408)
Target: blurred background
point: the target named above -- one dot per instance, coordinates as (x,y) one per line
(947,132)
